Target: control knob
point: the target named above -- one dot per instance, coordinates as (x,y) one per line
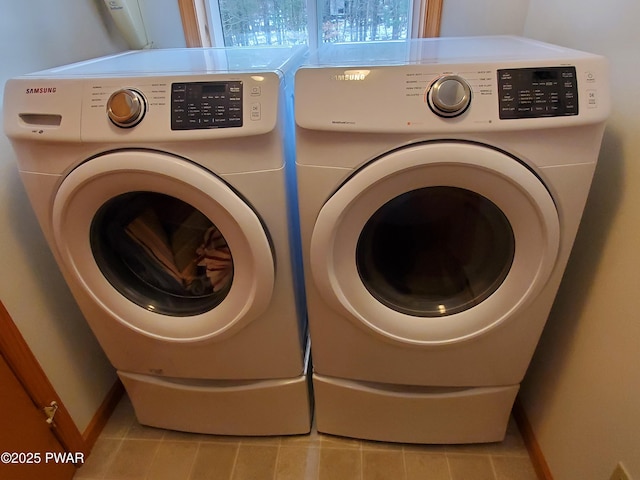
(449,96)
(126,107)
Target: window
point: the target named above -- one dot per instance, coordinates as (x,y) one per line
(290,22)
(287,22)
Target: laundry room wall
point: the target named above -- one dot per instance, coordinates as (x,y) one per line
(35,35)
(583,389)
(484,17)
(163,23)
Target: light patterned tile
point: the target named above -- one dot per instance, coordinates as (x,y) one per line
(513,444)
(382,465)
(334,441)
(426,465)
(466,467)
(132,460)
(513,468)
(298,462)
(120,421)
(173,461)
(127,450)
(340,464)
(272,440)
(214,461)
(103,453)
(255,462)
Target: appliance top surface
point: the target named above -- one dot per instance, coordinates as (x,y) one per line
(447,50)
(181,61)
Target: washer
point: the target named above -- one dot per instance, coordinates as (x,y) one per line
(164,182)
(441,185)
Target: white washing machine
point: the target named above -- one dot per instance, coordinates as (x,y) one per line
(441,184)
(165,184)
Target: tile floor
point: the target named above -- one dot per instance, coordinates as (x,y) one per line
(127,450)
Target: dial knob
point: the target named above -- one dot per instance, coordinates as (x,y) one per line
(126,107)
(449,96)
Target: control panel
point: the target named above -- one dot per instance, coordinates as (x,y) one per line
(200,105)
(440,98)
(537,92)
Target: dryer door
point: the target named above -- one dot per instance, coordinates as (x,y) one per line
(163,246)
(435,243)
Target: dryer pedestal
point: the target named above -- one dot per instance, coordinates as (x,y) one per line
(406,414)
(222,407)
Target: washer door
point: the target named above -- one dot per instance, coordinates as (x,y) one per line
(163,246)
(435,243)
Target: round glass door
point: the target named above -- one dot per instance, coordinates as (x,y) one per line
(435,243)
(162,253)
(435,251)
(162,246)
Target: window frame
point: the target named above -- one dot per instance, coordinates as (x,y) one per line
(195,22)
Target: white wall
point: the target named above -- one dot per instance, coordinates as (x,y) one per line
(163,23)
(582,393)
(34,35)
(483,17)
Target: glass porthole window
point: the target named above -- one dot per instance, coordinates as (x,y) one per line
(162,253)
(435,251)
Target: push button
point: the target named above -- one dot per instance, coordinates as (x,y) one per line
(256,111)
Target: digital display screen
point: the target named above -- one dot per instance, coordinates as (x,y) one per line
(211,88)
(545,75)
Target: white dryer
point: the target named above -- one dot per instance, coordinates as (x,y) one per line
(441,184)
(165,184)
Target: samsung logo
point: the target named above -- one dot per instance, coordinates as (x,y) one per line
(29,91)
(351,76)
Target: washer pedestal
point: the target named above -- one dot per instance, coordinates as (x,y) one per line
(408,414)
(252,408)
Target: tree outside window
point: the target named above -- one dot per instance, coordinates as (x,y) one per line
(290,22)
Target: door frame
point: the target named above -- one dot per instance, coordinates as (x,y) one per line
(27,369)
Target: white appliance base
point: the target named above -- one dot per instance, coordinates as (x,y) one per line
(248,408)
(408,414)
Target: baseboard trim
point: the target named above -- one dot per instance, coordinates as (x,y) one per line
(535,452)
(102,415)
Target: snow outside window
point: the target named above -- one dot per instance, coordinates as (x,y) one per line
(312,22)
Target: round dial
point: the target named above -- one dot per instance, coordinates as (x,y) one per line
(126,107)
(449,96)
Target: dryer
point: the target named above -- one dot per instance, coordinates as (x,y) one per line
(441,185)
(164,182)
